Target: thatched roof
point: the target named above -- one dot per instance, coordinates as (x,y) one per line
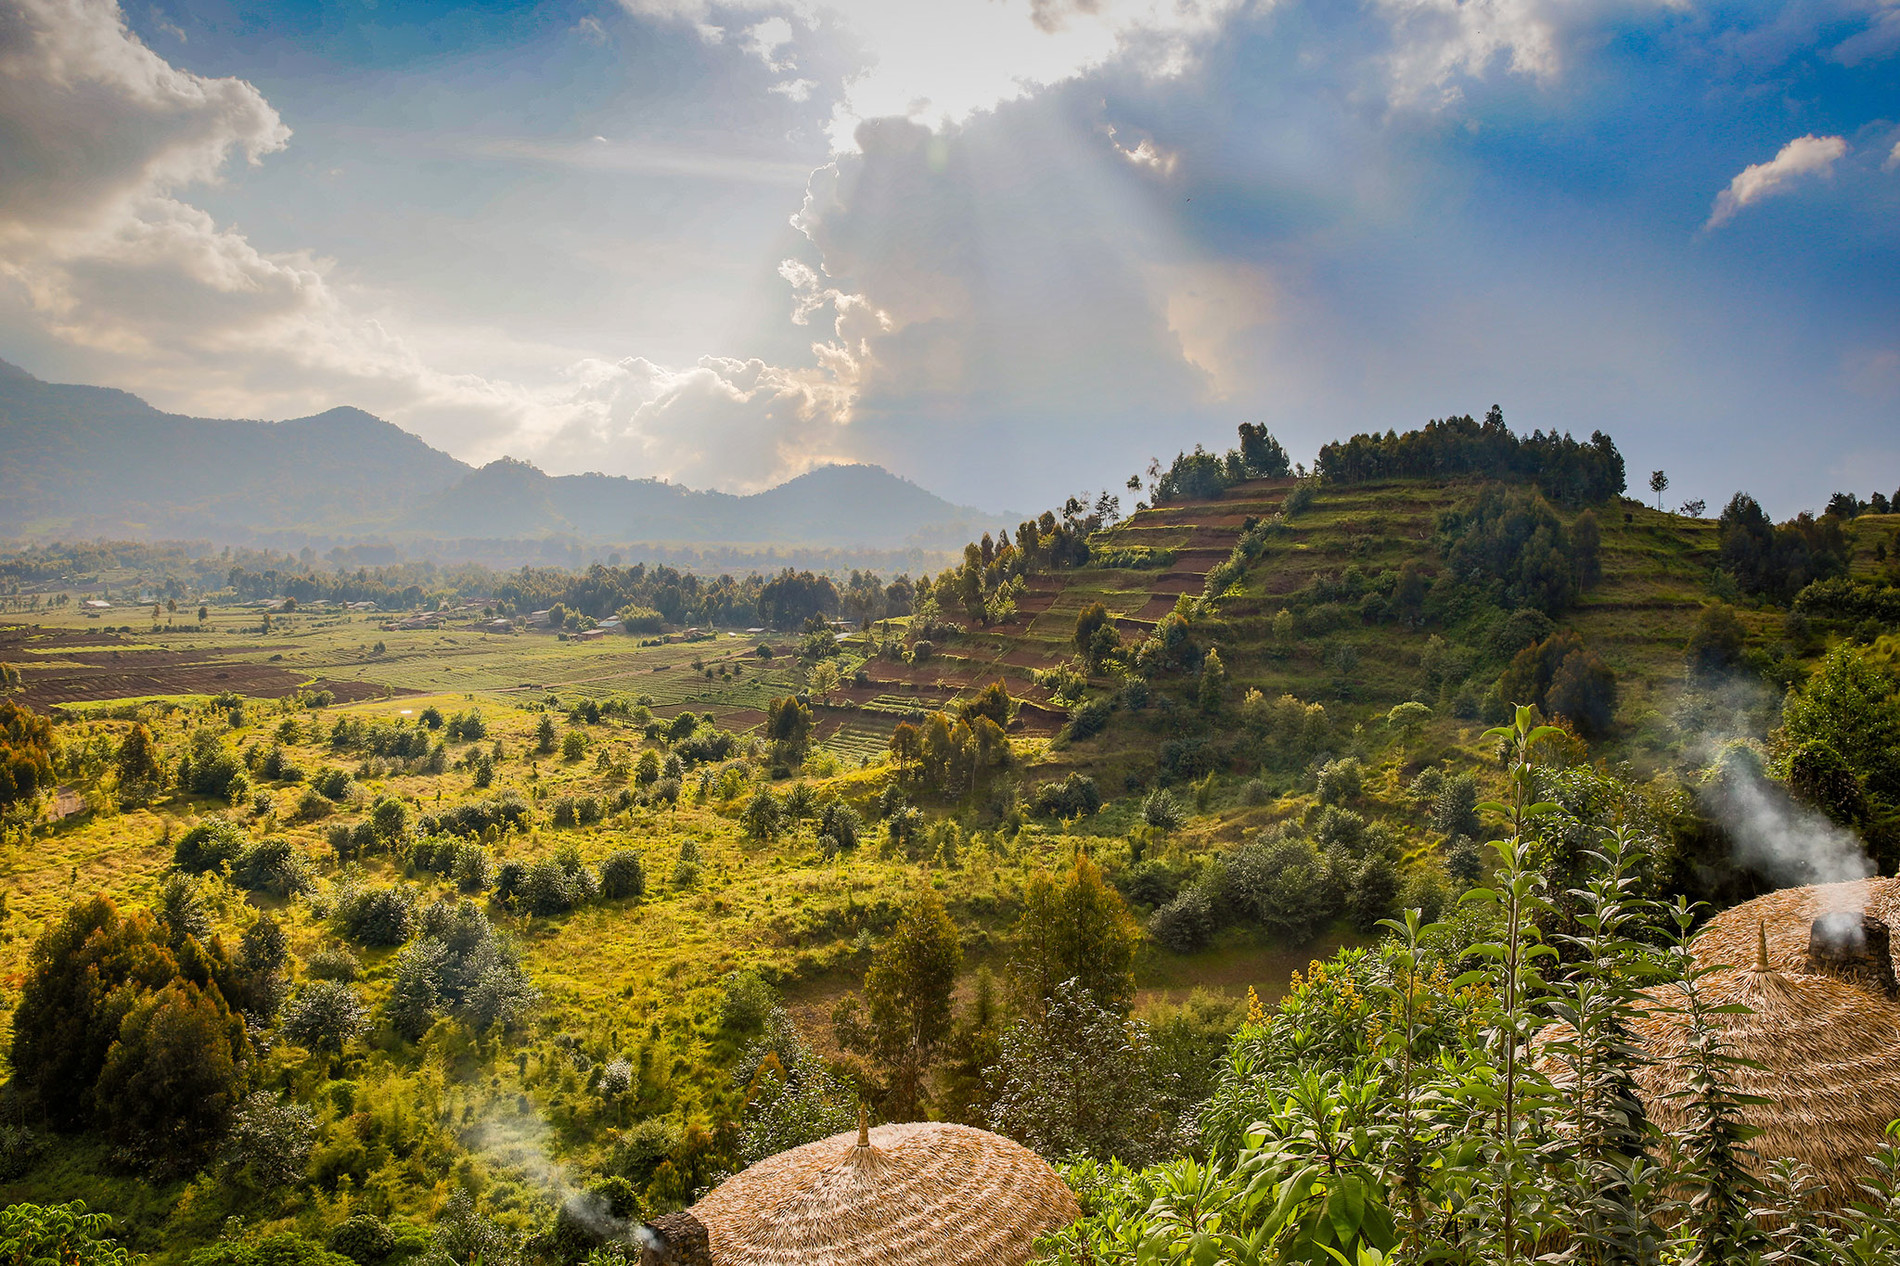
(1828,1043)
(946,1195)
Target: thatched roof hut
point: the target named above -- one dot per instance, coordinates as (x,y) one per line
(1814,966)
(946,1195)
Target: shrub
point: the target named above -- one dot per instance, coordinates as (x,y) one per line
(272,867)
(622,875)
(1341,781)
(840,823)
(473,869)
(363,1239)
(378,916)
(1161,810)
(745,1001)
(333,964)
(1075,796)
(208,846)
(332,783)
(325,1016)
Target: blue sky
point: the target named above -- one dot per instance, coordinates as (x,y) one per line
(1008,248)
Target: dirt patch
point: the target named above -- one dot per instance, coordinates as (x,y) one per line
(88,667)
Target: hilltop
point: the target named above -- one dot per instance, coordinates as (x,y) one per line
(78,461)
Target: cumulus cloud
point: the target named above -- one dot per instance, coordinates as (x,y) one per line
(101,137)
(1801,159)
(96,122)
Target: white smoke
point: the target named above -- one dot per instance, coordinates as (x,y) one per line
(1782,839)
(519,1141)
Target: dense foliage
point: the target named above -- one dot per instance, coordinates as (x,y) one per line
(1566,470)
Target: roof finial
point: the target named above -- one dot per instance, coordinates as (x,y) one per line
(864,1126)
(1761,945)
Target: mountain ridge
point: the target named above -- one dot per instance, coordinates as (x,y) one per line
(76,458)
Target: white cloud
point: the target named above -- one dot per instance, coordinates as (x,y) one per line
(100,137)
(1436,43)
(946,59)
(1893,158)
(1799,159)
(95,122)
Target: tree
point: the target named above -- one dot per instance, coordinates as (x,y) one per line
(138,759)
(1658,484)
(906,745)
(173,1077)
(1093,617)
(83,975)
(545,736)
(1213,689)
(1561,676)
(204,613)
(1261,455)
(1715,645)
(325,1017)
(1849,704)
(907,992)
(26,755)
(972,1049)
(1075,1080)
(1075,928)
(788,727)
(993,702)
(1408,718)
(823,680)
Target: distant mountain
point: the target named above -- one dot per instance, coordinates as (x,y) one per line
(98,462)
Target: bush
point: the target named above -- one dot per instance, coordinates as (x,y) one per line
(1161,810)
(1075,796)
(473,869)
(558,884)
(333,964)
(272,867)
(745,1001)
(839,823)
(1088,719)
(1341,781)
(622,875)
(332,784)
(209,846)
(325,1016)
(363,1239)
(378,916)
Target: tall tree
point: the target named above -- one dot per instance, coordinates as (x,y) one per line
(906,1012)
(1075,927)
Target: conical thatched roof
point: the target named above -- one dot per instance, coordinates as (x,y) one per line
(1827,1039)
(946,1195)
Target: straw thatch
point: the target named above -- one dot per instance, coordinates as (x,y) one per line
(1828,1043)
(946,1195)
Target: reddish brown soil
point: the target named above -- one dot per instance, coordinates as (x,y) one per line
(91,666)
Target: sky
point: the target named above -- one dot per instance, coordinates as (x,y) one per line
(1010,249)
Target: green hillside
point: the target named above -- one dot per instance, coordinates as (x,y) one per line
(442,925)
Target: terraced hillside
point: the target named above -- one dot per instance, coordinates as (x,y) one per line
(1657,575)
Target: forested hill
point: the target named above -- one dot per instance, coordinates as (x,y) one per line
(77,460)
